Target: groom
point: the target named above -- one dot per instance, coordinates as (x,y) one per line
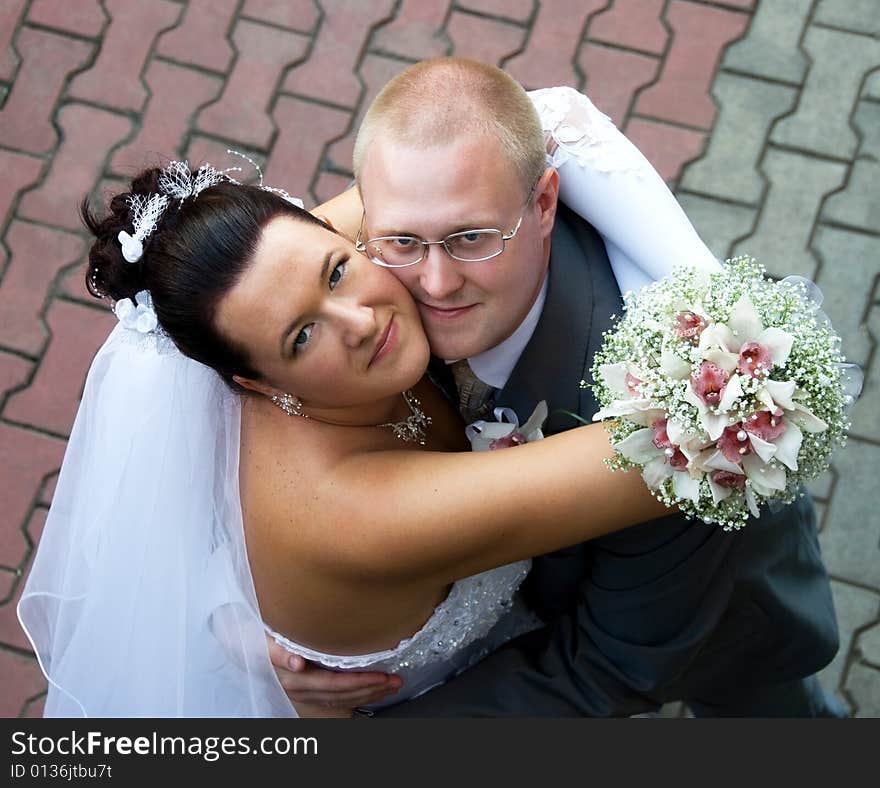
(733,624)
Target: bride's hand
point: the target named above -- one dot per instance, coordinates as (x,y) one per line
(324,693)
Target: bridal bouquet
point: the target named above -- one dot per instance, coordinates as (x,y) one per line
(726,388)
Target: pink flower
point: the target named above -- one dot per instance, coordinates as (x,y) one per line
(766,425)
(729,480)
(633,384)
(689,325)
(709,382)
(514,439)
(755,360)
(734,443)
(673,454)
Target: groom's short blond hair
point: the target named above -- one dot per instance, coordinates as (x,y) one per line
(437,101)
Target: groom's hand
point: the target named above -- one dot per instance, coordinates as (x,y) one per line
(308,685)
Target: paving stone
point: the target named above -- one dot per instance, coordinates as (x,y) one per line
(10,12)
(375,71)
(868,644)
(552,44)
(822,487)
(88,134)
(303,131)
(858,205)
(83,17)
(114,79)
(177,93)
(700,34)
(200,38)
(635,24)
(719,224)
(50,402)
(415,32)
(330,73)
(38,254)
(48,490)
(299,15)
(14,371)
(47,59)
(771,48)
(19,172)
(668,148)
(860,16)
(821,122)
(850,541)
(34,708)
(328,185)
(241,113)
(863,684)
(865,415)
(483,39)
(8,581)
(612,77)
(22,680)
(25,458)
(797,185)
(747,108)
(850,262)
(519,10)
(11,632)
(203,150)
(872,86)
(855,607)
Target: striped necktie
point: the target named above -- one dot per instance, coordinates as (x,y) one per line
(474,396)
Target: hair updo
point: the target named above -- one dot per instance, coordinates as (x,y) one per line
(199,250)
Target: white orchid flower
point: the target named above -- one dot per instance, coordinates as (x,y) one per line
(622,379)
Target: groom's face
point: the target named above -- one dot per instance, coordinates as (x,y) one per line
(466,307)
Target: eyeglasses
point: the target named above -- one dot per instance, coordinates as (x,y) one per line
(468,246)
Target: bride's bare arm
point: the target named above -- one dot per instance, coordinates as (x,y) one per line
(416,515)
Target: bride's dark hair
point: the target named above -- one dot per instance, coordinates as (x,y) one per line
(199,250)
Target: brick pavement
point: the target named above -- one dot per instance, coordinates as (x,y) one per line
(748,107)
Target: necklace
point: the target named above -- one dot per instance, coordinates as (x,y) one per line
(411,429)
(415,425)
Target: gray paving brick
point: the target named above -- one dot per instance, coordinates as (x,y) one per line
(719,224)
(859,204)
(821,122)
(770,49)
(872,87)
(851,535)
(863,683)
(850,262)
(746,109)
(868,644)
(797,185)
(865,414)
(855,608)
(821,488)
(860,16)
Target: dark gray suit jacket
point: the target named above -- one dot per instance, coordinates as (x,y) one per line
(672,609)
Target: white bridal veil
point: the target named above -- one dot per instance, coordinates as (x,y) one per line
(140,601)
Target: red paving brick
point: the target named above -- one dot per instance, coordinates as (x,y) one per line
(89,133)
(520,10)
(83,17)
(22,680)
(634,24)
(299,15)
(14,371)
(201,36)
(668,148)
(483,39)
(47,59)
(50,401)
(9,14)
(700,34)
(303,131)
(613,76)
(242,112)
(38,254)
(416,32)
(329,74)
(115,78)
(552,44)
(177,94)
(19,172)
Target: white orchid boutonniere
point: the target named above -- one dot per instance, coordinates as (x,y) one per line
(505,431)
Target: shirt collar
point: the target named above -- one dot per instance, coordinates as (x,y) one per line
(495,365)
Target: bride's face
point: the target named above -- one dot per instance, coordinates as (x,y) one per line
(321,322)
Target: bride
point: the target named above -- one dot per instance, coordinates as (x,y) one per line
(259,449)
